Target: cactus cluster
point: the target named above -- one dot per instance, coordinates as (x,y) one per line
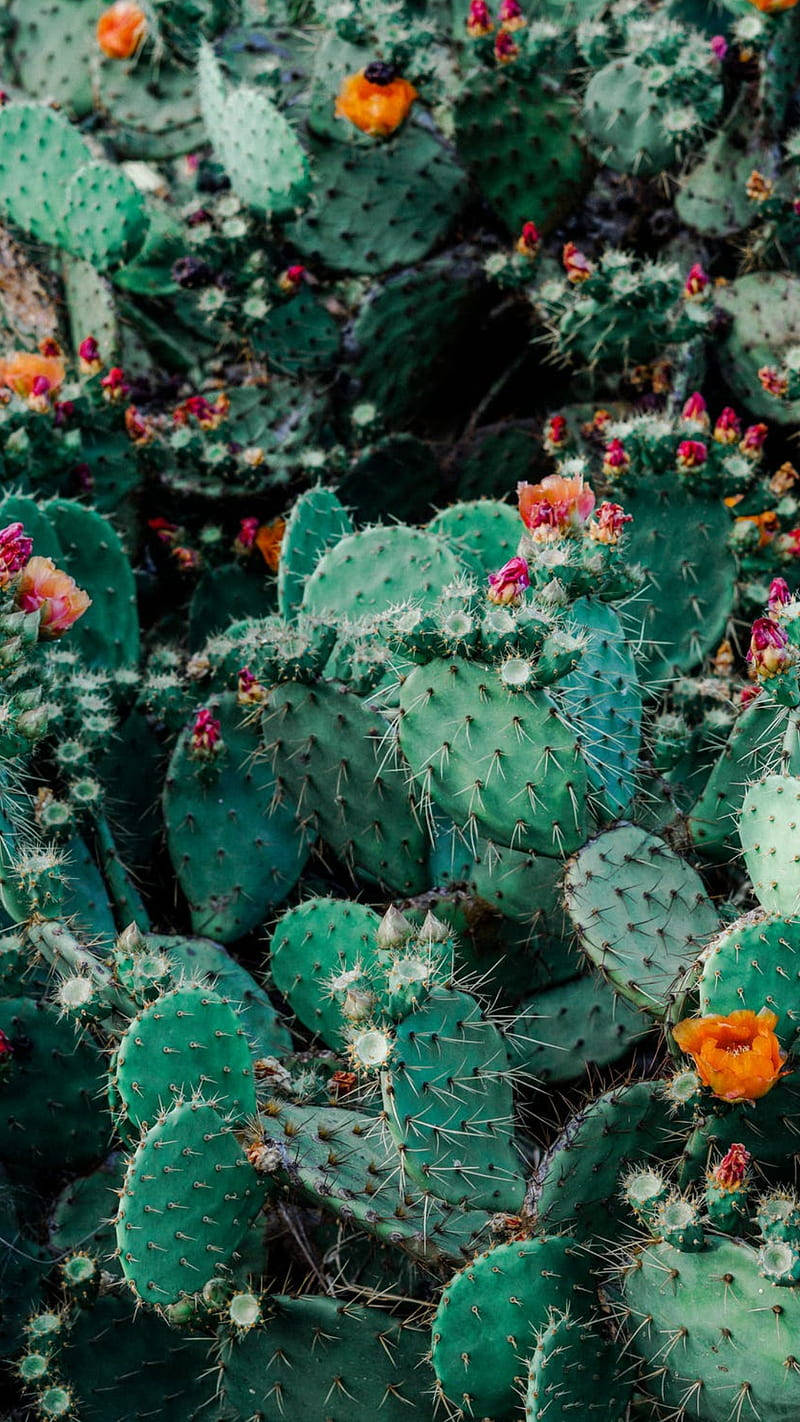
(399,710)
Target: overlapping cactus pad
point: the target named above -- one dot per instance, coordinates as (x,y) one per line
(399,710)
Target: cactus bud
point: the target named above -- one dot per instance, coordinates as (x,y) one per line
(394,929)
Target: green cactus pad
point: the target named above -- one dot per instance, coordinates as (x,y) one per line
(484,533)
(712,198)
(311,943)
(576,1185)
(408,333)
(762,307)
(574,1372)
(32,190)
(447,1093)
(343,1162)
(236,853)
(194,956)
(559,1034)
(316,522)
(624,114)
(603,702)
(105,217)
(52,43)
(83,1214)
(323,736)
(51,1096)
(503,1298)
(377,568)
(379,207)
(255,144)
(116,1362)
(768,832)
(755,963)
(185,1042)
(752,749)
(154,113)
(183,1212)
(91,551)
(690,573)
(640,911)
(502,762)
(325,1358)
(520,139)
(736,1331)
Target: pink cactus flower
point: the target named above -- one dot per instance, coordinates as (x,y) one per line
(608,524)
(15,550)
(246,537)
(291,280)
(43,586)
(139,430)
(509,583)
(249,691)
(556,506)
(719,47)
(749,693)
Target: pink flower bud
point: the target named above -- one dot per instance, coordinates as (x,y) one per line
(506,48)
(139,430)
(753,440)
(15,550)
(769,653)
(696,282)
(733,1167)
(249,691)
(44,586)
(608,524)
(749,693)
(89,356)
(719,47)
(529,241)
(115,386)
(692,454)
(292,279)
(246,537)
(510,14)
(616,459)
(479,19)
(6,1049)
(728,428)
(576,265)
(773,381)
(779,594)
(696,411)
(206,740)
(556,434)
(507,586)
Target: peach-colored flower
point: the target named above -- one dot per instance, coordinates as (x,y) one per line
(21,371)
(269,540)
(62,602)
(738,1057)
(555,506)
(121,29)
(375,100)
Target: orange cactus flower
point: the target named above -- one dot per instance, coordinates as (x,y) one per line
(555,506)
(773,7)
(121,29)
(738,1057)
(62,602)
(269,540)
(375,100)
(20,371)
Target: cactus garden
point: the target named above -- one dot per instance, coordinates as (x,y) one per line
(399,710)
